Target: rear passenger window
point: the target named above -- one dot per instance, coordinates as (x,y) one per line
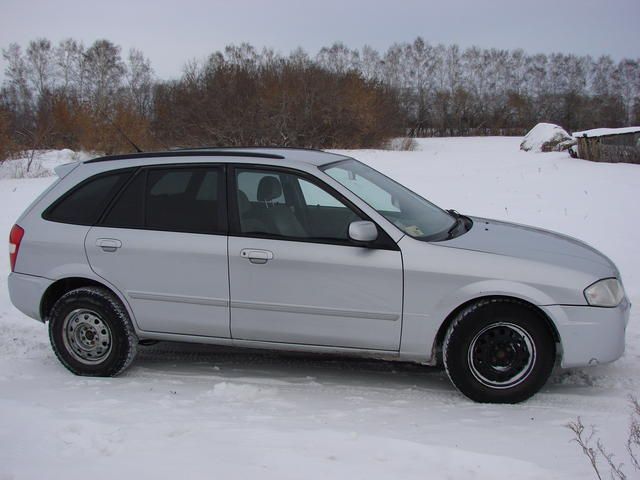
(209,188)
(170,182)
(85,203)
(172,199)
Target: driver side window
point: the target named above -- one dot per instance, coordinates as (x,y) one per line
(280,204)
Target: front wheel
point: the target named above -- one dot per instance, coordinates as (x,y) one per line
(499,351)
(91,333)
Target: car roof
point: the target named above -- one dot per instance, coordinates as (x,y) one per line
(304,155)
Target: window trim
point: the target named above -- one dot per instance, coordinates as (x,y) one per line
(223,223)
(383,242)
(46,214)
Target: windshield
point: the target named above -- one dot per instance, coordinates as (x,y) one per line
(409,212)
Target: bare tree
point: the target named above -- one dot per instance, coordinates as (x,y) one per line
(370,63)
(338,58)
(69,59)
(40,66)
(104,73)
(628,84)
(18,93)
(69,95)
(139,76)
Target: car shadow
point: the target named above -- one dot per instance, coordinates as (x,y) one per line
(188,360)
(181,361)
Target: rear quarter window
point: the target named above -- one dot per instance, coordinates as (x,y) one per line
(84,204)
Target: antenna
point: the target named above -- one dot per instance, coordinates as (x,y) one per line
(124,135)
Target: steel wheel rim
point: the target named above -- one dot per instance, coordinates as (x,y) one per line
(86,336)
(502,355)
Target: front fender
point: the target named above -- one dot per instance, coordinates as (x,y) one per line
(420,329)
(438,280)
(491,288)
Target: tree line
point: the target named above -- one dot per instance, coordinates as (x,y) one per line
(97,98)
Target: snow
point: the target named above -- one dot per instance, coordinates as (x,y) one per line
(601,132)
(542,134)
(40,163)
(201,412)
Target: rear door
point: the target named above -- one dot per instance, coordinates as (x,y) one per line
(295,275)
(163,244)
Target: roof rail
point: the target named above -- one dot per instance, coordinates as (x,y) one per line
(246,147)
(185,153)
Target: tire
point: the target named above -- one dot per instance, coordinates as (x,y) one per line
(91,333)
(499,351)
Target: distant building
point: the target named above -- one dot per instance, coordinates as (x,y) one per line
(612,145)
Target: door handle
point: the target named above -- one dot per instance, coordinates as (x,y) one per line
(258,257)
(108,244)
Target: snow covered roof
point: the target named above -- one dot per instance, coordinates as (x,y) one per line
(601,132)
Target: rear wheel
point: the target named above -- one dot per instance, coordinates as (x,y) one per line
(91,333)
(499,351)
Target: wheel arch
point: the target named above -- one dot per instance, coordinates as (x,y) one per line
(444,327)
(64,285)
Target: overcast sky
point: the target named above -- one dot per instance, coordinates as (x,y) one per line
(172,31)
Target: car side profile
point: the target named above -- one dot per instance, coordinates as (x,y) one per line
(304,250)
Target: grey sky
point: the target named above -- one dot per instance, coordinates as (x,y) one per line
(172,31)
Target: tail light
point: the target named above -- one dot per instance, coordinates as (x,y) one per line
(15,237)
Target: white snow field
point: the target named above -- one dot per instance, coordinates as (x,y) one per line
(194,412)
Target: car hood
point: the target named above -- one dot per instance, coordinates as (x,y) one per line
(530,243)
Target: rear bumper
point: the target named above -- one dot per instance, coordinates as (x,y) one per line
(26,293)
(590,335)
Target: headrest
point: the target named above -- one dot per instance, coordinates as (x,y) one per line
(243,202)
(269,188)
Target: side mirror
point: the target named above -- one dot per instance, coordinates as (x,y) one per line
(363,231)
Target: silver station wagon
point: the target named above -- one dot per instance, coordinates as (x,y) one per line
(295,249)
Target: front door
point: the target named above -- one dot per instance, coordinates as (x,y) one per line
(295,277)
(163,244)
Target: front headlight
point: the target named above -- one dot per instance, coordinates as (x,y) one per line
(604,293)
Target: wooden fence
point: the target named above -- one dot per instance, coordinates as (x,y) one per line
(621,148)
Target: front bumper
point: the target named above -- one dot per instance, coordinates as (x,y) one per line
(26,293)
(590,335)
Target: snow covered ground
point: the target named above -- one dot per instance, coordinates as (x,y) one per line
(203,412)
(39,163)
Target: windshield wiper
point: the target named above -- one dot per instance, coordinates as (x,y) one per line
(458,219)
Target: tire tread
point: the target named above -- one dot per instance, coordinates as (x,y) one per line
(457,324)
(103,295)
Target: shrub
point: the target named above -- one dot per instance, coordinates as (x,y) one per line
(595,452)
